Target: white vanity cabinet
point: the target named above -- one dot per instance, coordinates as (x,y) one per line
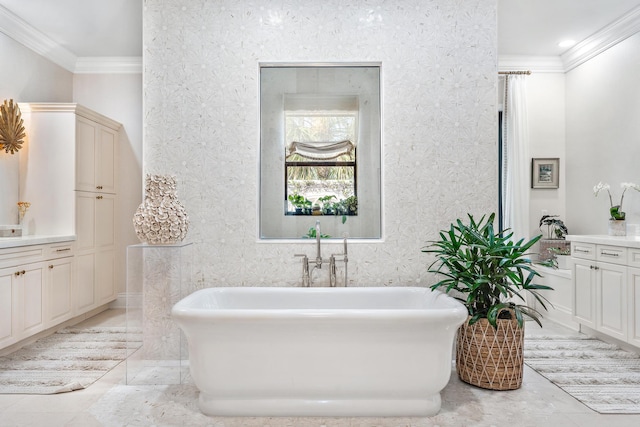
(605,285)
(633,284)
(71,182)
(36,285)
(22,313)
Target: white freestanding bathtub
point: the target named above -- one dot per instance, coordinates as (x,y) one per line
(369,351)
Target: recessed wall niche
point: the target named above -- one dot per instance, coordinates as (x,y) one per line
(333,112)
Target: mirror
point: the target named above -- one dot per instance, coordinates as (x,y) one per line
(320,150)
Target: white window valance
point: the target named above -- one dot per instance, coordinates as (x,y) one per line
(320,150)
(318,102)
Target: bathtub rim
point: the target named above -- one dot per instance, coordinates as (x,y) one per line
(450,308)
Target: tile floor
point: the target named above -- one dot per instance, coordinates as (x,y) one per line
(109,402)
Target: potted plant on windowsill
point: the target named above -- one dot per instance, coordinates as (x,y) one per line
(555,227)
(490,274)
(301,204)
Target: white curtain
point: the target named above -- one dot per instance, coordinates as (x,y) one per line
(516,161)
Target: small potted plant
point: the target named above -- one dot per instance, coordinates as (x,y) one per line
(617,223)
(555,227)
(327,206)
(301,204)
(351,204)
(490,274)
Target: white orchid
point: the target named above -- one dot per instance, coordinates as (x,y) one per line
(599,187)
(616,210)
(627,185)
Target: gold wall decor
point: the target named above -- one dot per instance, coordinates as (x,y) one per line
(11,127)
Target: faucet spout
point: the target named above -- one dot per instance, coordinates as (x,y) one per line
(318,254)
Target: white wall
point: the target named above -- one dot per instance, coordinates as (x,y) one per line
(439,126)
(119,97)
(25,76)
(603,135)
(546,110)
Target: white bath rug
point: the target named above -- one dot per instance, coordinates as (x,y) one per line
(600,375)
(71,359)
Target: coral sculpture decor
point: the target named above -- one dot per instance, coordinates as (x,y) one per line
(161,218)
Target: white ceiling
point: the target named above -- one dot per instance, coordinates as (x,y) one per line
(113,28)
(534,27)
(86,28)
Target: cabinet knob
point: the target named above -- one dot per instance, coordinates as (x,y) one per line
(17,273)
(99,197)
(99,187)
(50,266)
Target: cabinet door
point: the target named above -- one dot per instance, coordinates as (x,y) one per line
(7,297)
(96,148)
(105,285)
(85,295)
(584,292)
(85,221)
(58,291)
(633,306)
(106,160)
(30,283)
(105,221)
(612,300)
(86,153)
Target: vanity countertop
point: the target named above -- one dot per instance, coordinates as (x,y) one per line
(627,241)
(13,242)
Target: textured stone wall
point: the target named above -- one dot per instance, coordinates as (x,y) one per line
(439,77)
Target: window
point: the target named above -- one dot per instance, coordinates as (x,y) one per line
(320,155)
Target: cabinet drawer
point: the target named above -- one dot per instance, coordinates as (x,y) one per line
(633,255)
(59,250)
(612,254)
(583,250)
(10,257)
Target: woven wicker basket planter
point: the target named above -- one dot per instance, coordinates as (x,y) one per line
(490,358)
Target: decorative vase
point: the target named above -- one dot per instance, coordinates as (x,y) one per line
(491,358)
(617,227)
(161,218)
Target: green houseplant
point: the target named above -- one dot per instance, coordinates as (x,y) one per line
(490,274)
(300,203)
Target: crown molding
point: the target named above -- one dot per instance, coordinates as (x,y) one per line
(607,37)
(535,64)
(22,32)
(69,107)
(109,65)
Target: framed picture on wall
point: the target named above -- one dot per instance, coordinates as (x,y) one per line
(545,173)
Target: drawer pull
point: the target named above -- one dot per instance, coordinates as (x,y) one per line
(609,253)
(584,251)
(99,187)
(99,197)
(63,250)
